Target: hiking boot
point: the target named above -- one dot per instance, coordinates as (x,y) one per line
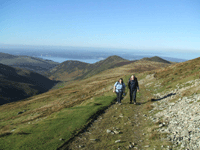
(116,103)
(120,103)
(130,103)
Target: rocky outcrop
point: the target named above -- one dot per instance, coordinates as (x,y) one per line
(179,116)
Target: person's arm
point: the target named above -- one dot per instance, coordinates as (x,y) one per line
(138,89)
(114,88)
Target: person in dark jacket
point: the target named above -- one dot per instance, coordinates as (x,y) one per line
(134,87)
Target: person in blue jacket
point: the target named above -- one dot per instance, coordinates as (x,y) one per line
(119,88)
(134,87)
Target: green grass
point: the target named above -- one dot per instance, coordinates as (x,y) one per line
(45,134)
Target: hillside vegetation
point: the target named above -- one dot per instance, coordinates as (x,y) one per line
(51,119)
(75,70)
(17,84)
(166,115)
(26,62)
(156,59)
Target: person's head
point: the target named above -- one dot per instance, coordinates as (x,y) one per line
(132,77)
(120,80)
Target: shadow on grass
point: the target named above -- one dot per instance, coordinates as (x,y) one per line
(166,96)
(23,133)
(5,134)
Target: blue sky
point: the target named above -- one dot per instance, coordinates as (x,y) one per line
(130,24)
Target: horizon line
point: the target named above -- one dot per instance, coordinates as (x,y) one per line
(15,46)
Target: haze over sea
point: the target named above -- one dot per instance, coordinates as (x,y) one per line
(170,56)
(92,55)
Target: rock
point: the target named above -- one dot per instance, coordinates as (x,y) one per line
(108,131)
(131,146)
(80,146)
(118,141)
(116,132)
(181,117)
(121,116)
(60,139)
(13,130)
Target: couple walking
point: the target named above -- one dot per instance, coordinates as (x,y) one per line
(133,86)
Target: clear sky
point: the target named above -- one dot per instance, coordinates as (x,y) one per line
(129,24)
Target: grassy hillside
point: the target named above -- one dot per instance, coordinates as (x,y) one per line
(50,119)
(68,70)
(30,63)
(110,62)
(132,125)
(156,59)
(17,84)
(72,70)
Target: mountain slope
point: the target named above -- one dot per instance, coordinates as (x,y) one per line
(52,118)
(110,62)
(17,84)
(156,59)
(31,63)
(167,114)
(70,70)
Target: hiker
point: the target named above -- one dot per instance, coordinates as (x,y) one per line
(119,88)
(134,87)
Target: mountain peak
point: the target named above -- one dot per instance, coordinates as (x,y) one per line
(115,57)
(156,59)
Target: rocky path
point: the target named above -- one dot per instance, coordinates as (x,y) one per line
(118,128)
(170,121)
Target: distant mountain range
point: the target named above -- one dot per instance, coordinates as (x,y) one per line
(17,84)
(72,70)
(31,63)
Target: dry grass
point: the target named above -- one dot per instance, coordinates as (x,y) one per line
(45,105)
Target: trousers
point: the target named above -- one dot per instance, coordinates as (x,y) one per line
(133,95)
(119,97)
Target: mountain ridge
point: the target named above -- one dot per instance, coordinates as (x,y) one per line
(69,70)
(27,62)
(17,84)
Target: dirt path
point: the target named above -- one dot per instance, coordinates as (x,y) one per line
(123,123)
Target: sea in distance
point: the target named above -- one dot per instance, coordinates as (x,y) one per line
(93,58)
(92,55)
(62,59)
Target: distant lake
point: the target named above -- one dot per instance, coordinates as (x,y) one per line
(61,59)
